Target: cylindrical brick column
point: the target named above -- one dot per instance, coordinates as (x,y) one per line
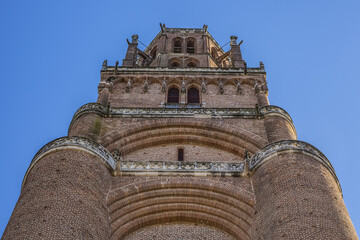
(103,98)
(297,195)
(263,99)
(63,196)
(278,128)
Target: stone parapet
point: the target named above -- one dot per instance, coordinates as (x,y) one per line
(182,112)
(79,143)
(288,146)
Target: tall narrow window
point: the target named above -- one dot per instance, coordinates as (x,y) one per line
(190,46)
(173,95)
(193,95)
(180,154)
(177,46)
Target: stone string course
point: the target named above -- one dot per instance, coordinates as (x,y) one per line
(184,112)
(183,168)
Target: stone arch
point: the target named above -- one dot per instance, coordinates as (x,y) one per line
(184,131)
(192,61)
(196,200)
(175,62)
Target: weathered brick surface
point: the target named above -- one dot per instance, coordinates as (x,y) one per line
(192,153)
(64,197)
(278,129)
(179,231)
(297,198)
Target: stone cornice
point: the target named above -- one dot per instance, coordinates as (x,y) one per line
(80,143)
(181,168)
(173,112)
(190,71)
(289,146)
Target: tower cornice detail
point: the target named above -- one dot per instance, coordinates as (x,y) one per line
(78,143)
(290,146)
(181,111)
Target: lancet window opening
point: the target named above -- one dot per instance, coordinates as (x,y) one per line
(193,95)
(173,95)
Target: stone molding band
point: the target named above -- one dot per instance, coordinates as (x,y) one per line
(166,70)
(80,143)
(174,112)
(289,146)
(181,168)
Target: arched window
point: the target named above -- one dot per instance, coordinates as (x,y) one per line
(191,65)
(193,95)
(175,64)
(173,95)
(177,46)
(190,46)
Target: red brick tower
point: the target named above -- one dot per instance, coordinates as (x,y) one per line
(181,144)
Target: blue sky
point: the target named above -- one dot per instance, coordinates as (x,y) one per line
(51,55)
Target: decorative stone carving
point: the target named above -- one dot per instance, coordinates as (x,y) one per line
(80,143)
(146,86)
(178,168)
(183,87)
(203,87)
(238,88)
(273,149)
(104,65)
(184,112)
(163,86)
(221,87)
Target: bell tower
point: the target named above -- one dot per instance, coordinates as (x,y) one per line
(182,143)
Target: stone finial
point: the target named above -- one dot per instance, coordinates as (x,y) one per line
(116,66)
(162,26)
(134,39)
(262,66)
(104,65)
(205,27)
(233,40)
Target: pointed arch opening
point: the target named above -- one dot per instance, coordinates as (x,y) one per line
(193,95)
(173,95)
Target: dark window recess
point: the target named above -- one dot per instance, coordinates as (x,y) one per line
(173,95)
(193,95)
(180,154)
(190,48)
(175,64)
(191,65)
(177,46)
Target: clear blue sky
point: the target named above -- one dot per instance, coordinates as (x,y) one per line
(51,55)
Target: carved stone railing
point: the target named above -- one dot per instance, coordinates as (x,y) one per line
(180,168)
(276,148)
(168,112)
(80,143)
(182,70)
